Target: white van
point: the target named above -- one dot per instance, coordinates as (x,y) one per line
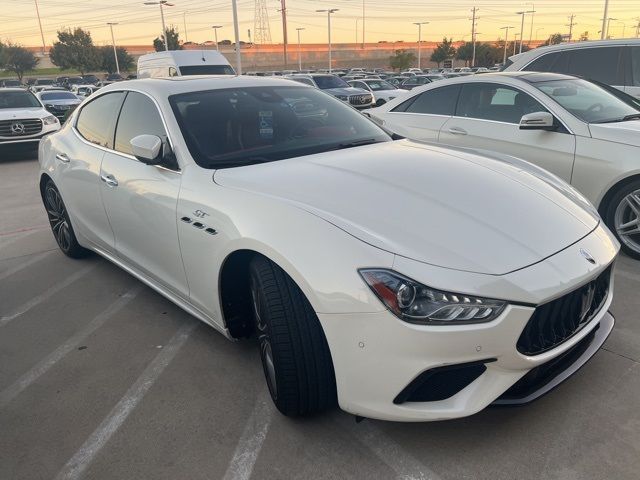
(175,63)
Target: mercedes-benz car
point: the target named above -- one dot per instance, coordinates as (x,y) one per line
(577,129)
(59,102)
(334,85)
(23,119)
(396,279)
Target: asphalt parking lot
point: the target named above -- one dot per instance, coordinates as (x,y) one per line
(100,377)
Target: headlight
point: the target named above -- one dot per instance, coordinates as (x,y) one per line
(416,303)
(344,98)
(50,120)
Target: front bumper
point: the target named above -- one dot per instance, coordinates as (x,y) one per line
(376,355)
(46,130)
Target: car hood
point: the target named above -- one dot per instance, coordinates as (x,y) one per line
(17,113)
(621,132)
(444,207)
(345,91)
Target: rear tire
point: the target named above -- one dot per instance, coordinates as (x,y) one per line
(60,222)
(295,355)
(622,216)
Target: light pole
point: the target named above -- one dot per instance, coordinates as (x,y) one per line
(506,41)
(515,43)
(40,25)
(604,20)
(608,25)
(419,24)
(362,25)
(329,12)
(113,42)
(299,29)
(523,13)
(215,33)
(164,29)
(184,22)
(236,30)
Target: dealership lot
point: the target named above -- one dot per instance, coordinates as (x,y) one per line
(100,377)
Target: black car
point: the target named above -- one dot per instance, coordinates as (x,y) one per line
(91,79)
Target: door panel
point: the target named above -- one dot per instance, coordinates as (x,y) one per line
(142,212)
(487,117)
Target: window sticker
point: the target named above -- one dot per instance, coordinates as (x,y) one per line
(266,123)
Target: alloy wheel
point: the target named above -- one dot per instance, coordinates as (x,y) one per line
(627,220)
(58,218)
(266,353)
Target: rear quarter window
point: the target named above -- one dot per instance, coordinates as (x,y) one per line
(97,119)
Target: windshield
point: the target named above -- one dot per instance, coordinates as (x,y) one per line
(18,100)
(206,70)
(44,81)
(242,126)
(329,81)
(76,80)
(12,83)
(377,85)
(587,101)
(58,96)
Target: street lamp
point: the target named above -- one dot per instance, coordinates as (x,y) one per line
(329,12)
(506,38)
(419,24)
(608,25)
(515,43)
(164,29)
(523,13)
(113,42)
(299,29)
(236,31)
(215,33)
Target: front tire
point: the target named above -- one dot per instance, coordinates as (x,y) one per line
(622,216)
(295,355)
(60,222)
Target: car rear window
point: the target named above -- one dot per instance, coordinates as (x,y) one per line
(206,70)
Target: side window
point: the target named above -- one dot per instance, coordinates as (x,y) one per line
(635,66)
(439,101)
(97,119)
(603,64)
(551,62)
(306,81)
(490,101)
(139,116)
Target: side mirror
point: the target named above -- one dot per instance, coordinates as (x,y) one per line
(538,121)
(147,149)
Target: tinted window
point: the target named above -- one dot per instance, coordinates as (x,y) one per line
(635,66)
(240,126)
(15,99)
(306,81)
(58,96)
(490,101)
(439,101)
(139,116)
(551,62)
(97,119)
(207,70)
(602,64)
(329,81)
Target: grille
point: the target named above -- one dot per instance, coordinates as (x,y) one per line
(359,99)
(11,128)
(560,319)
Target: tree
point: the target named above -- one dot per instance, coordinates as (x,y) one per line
(172,40)
(75,49)
(554,39)
(402,59)
(444,51)
(465,52)
(18,59)
(108,62)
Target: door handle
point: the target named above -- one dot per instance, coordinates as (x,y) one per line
(457,131)
(63,157)
(109,180)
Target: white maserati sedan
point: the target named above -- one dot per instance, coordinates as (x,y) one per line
(398,280)
(586,133)
(23,119)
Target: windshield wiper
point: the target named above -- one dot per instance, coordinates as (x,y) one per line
(633,116)
(356,143)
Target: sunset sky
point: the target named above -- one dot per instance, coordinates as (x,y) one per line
(385,19)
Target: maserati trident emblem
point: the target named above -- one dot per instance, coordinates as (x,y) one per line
(587,256)
(17,128)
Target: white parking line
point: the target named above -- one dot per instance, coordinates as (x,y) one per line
(75,467)
(25,264)
(39,369)
(405,465)
(252,438)
(25,307)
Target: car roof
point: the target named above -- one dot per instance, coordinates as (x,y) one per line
(536,52)
(13,89)
(166,86)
